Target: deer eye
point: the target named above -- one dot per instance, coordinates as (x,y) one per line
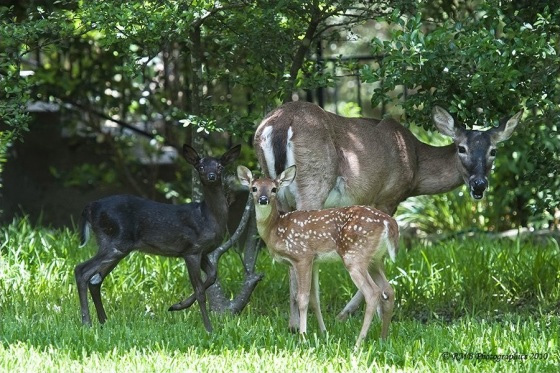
(273,190)
(493,152)
(254,189)
(462,149)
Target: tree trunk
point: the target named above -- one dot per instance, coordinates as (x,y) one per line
(299,57)
(196,102)
(215,293)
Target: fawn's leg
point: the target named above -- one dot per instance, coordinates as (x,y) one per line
(294,310)
(304,273)
(371,292)
(315,300)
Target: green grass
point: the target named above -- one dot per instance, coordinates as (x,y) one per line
(455,300)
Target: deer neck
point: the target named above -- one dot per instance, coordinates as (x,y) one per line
(215,201)
(267,220)
(438,170)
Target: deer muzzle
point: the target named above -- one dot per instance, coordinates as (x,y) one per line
(263,200)
(478,186)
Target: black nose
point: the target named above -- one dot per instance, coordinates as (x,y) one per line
(263,200)
(479,185)
(212,176)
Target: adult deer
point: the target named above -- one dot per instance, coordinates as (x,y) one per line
(359,235)
(359,161)
(125,223)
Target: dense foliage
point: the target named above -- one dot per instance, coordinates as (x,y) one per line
(484,66)
(184,71)
(172,71)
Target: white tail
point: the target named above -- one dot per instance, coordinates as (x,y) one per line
(359,235)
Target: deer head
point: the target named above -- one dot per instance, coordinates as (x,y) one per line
(210,168)
(476,150)
(264,190)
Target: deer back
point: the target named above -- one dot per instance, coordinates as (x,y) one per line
(134,223)
(336,232)
(341,161)
(350,161)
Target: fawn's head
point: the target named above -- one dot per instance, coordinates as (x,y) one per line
(209,168)
(264,190)
(476,150)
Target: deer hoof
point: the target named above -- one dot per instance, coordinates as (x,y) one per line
(294,329)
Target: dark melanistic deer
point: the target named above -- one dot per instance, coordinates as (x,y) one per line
(124,223)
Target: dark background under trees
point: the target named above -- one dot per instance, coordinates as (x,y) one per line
(95,97)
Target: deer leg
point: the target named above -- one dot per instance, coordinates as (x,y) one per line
(304,273)
(81,282)
(371,293)
(314,300)
(91,272)
(94,285)
(387,303)
(193,267)
(311,196)
(351,306)
(211,274)
(294,310)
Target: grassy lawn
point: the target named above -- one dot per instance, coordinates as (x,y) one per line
(462,305)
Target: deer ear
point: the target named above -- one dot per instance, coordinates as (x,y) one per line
(505,130)
(190,154)
(231,155)
(287,176)
(244,175)
(443,121)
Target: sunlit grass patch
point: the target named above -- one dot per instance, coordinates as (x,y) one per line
(470,305)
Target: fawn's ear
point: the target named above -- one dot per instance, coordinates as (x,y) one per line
(244,175)
(231,155)
(287,176)
(190,154)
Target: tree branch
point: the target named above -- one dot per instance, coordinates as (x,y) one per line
(117,121)
(215,255)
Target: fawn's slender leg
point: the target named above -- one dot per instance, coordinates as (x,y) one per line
(314,196)
(371,292)
(294,310)
(315,300)
(304,273)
